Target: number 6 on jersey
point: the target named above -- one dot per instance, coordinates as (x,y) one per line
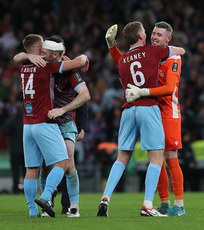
(138,73)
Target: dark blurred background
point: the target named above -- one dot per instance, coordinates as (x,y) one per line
(83,25)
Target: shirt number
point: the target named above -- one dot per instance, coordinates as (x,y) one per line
(138,74)
(29,86)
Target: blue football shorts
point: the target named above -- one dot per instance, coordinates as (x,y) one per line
(43,141)
(69,131)
(142,122)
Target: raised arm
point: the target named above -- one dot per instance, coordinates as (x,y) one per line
(110,36)
(111,43)
(115,54)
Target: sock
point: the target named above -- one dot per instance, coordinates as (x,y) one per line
(176,177)
(179,203)
(53,179)
(151,181)
(163,184)
(165,202)
(73,188)
(148,204)
(114,176)
(30,190)
(42,178)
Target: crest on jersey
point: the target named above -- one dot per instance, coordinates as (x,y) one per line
(175,67)
(77,77)
(161,73)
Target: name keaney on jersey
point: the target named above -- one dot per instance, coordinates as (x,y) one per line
(133,57)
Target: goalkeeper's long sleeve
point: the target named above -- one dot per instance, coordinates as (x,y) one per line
(167,89)
(115,54)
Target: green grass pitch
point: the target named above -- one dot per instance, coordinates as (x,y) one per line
(123,214)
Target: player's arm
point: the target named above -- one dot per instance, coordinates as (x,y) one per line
(81,121)
(166,90)
(82,97)
(115,54)
(81,61)
(81,118)
(172,75)
(35,59)
(177,51)
(80,135)
(111,43)
(133,92)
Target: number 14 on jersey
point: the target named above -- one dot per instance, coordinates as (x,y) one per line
(28,89)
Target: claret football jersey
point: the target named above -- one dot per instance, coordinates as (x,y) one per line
(139,66)
(65,86)
(38,91)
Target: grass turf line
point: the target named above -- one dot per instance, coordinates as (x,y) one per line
(124,213)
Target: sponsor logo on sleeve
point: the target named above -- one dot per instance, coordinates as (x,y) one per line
(77,77)
(175,67)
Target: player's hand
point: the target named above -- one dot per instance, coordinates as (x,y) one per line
(132,93)
(65,58)
(37,60)
(85,67)
(52,114)
(80,135)
(110,36)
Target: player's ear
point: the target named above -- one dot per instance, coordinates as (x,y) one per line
(40,46)
(139,36)
(55,55)
(169,38)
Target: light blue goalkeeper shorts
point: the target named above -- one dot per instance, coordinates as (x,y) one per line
(43,141)
(142,122)
(69,131)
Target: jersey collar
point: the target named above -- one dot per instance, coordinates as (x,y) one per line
(133,47)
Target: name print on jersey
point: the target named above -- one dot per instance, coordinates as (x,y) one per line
(133,57)
(28,69)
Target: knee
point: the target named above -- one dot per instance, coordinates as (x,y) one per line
(63,165)
(32,173)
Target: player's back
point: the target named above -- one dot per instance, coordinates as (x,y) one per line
(139,66)
(38,94)
(169,105)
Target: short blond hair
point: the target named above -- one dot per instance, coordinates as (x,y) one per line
(30,40)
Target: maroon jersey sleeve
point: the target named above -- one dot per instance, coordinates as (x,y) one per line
(161,52)
(54,67)
(76,79)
